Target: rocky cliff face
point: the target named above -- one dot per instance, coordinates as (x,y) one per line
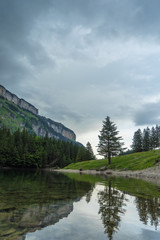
(13,114)
(54,129)
(18,101)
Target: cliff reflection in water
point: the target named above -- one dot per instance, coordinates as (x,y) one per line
(31,201)
(103,208)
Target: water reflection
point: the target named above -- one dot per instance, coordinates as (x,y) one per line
(112,204)
(149,210)
(31,201)
(116,199)
(44,206)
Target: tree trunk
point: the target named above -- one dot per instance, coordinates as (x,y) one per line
(109,159)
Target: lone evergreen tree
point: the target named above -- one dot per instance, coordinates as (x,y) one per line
(109,142)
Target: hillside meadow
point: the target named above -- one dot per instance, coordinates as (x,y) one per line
(134,161)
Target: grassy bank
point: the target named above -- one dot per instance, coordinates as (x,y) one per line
(134,161)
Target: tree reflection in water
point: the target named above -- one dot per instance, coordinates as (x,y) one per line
(148,210)
(112,205)
(31,201)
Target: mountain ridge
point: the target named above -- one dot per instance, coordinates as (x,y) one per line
(18,101)
(17,113)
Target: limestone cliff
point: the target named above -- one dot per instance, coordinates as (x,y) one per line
(17,113)
(54,129)
(18,101)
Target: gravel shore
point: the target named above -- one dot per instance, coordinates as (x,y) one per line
(149,174)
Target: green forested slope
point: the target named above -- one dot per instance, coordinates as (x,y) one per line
(23,150)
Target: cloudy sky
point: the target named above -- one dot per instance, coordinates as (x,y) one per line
(79,61)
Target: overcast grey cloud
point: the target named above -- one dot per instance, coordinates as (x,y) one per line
(148,114)
(81,60)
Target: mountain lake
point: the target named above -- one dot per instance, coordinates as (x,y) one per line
(41,205)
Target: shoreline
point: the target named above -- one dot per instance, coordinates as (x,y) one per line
(150,174)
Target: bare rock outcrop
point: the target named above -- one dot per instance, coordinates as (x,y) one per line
(38,124)
(18,101)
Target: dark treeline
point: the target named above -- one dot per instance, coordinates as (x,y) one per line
(23,150)
(146,140)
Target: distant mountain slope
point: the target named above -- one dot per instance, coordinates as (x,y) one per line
(17,113)
(18,101)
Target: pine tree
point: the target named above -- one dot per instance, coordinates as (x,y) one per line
(137,141)
(158,135)
(81,155)
(91,155)
(146,139)
(109,142)
(154,138)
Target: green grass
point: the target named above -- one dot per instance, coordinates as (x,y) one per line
(134,161)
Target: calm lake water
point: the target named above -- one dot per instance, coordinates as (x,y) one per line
(53,206)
